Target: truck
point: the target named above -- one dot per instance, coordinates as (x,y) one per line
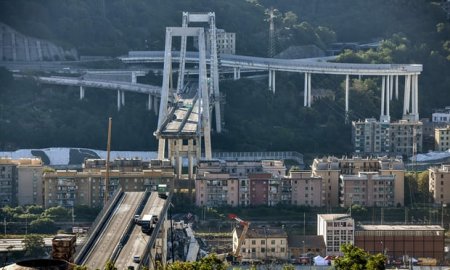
(147,223)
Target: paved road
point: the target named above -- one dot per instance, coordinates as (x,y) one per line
(111,235)
(138,240)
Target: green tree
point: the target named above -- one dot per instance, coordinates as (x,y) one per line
(210,262)
(110,266)
(57,213)
(34,246)
(43,225)
(357,259)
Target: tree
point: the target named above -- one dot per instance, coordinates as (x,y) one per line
(357,259)
(42,225)
(58,213)
(34,246)
(210,262)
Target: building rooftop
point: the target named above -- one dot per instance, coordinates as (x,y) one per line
(328,217)
(315,241)
(263,232)
(400,228)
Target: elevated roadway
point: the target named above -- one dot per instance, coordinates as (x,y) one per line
(105,84)
(308,65)
(108,240)
(137,241)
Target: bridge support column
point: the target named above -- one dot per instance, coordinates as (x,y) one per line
(236,74)
(81,92)
(309,90)
(133,77)
(305,91)
(177,144)
(123,97)
(155,105)
(190,159)
(150,102)
(118,100)
(272,81)
(388,95)
(406,97)
(347,86)
(382,98)
(396,87)
(161,148)
(415,96)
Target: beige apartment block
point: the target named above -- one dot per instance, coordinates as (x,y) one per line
(306,188)
(21,181)
(336,229)
(262,244)
(69,187)
(439,184)
(216,189)
(442,138)
(30,188)
(331,168)
(406,137)
(368,189)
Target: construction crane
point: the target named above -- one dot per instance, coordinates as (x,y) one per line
(245,225)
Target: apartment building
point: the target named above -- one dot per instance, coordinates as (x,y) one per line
(336,229)
(404,137)
(69,187)
(226,42)
(418,241)
(442,138)
(331,169)
(439,184)
(262,244)
(370,136)
(441,115)
(21,181)
(306,189)
(240,183)
(30,188)
(367,189)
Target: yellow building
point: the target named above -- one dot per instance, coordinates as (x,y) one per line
(262,244)
(439,184)
(442,138)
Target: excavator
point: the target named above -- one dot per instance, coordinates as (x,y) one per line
(234,257)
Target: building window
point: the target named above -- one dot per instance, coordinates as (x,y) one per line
(272,242)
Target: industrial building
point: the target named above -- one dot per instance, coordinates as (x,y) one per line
(418,241)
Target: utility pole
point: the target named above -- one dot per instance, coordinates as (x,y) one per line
(108,151)
(4,224)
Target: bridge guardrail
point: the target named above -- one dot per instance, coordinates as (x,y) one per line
(93,232)
(130,226)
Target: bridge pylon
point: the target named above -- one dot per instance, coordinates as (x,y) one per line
(184,124)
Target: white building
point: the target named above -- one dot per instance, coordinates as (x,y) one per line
(442,116)
(336,229)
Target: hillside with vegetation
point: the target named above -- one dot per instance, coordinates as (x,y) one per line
(36,116)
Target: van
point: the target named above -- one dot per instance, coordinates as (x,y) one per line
(136,259)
